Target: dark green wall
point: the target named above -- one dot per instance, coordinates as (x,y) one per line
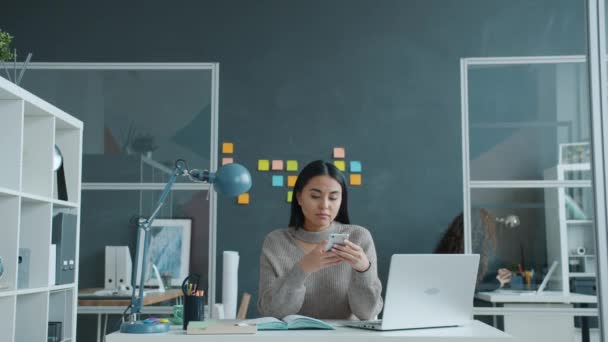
(299,77)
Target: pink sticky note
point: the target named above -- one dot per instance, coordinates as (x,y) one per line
(339,152)
(227,161)
(277,165)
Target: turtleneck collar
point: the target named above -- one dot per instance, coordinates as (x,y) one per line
(313,237)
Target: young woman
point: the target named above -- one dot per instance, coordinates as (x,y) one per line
(298,277)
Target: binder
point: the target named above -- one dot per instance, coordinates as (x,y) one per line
(64,236)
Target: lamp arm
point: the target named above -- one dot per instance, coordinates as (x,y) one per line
(144,224)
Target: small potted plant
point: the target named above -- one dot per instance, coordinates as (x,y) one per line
(6,54)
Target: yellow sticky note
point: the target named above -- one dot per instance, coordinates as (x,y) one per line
(291,181)
(340,164)
(277,165)
(243,198)
(289,196)
(339,152)
(227,161)
(292,165)
(355,179)
(227,148)
(263,165)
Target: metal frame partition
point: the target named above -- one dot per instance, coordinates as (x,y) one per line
(213,152)
(598,92)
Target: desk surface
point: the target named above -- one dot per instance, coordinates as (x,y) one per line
(149,298)
(544,297)
(476,331)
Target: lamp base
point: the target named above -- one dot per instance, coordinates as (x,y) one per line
(140,327)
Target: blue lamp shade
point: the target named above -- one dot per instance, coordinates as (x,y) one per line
(231,180)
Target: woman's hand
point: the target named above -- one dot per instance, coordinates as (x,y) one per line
(317,259)
(352,254)
(504,276)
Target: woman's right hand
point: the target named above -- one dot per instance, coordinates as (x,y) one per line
(504,276)
(317,259)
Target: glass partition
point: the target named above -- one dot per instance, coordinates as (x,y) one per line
(133,117)
(525,119)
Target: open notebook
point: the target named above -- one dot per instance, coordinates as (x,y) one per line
(291,322)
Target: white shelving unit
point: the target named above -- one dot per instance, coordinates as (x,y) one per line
(28,202)
(570,210)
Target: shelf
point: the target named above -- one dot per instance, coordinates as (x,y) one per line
(579,222)
(29,291)
(62,287)
(31,198)
(582,275)
(4,192)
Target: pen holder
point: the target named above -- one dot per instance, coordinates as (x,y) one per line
(517,282)
(194,309)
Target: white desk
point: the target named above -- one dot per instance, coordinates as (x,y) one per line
(476,331)
(541,317)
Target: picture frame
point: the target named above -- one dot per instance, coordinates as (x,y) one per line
(169,250)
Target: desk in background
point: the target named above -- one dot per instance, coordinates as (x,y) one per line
(475,331)
(541,317)
(108,305)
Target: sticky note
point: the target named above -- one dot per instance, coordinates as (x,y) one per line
(291,181)
(277,180)
(263,165)
(355,179)
(277,165)
(243,198)
(340,164)
(339,152)
(227,161)
(227,148)
(289,196)
(355,166)
(292,165)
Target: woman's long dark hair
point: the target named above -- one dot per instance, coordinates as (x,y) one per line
(452,241)
(313,169)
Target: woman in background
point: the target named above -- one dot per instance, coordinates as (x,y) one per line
(483,235)
(298,277)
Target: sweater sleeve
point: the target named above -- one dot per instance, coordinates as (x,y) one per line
(279,294)
(364,293)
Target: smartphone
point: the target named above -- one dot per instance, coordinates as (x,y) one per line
(335,238)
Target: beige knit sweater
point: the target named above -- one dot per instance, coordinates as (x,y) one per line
(336,292)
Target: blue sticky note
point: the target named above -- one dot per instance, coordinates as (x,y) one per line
(355,166)
(277,180)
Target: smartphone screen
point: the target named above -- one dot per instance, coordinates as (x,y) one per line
(335,238)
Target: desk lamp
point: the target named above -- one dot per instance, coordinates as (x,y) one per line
(230,180)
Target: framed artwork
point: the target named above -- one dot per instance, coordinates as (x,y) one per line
(169,250)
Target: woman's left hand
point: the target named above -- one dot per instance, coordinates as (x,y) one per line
(352,254)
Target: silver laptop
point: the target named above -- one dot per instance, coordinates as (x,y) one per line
(427,291)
